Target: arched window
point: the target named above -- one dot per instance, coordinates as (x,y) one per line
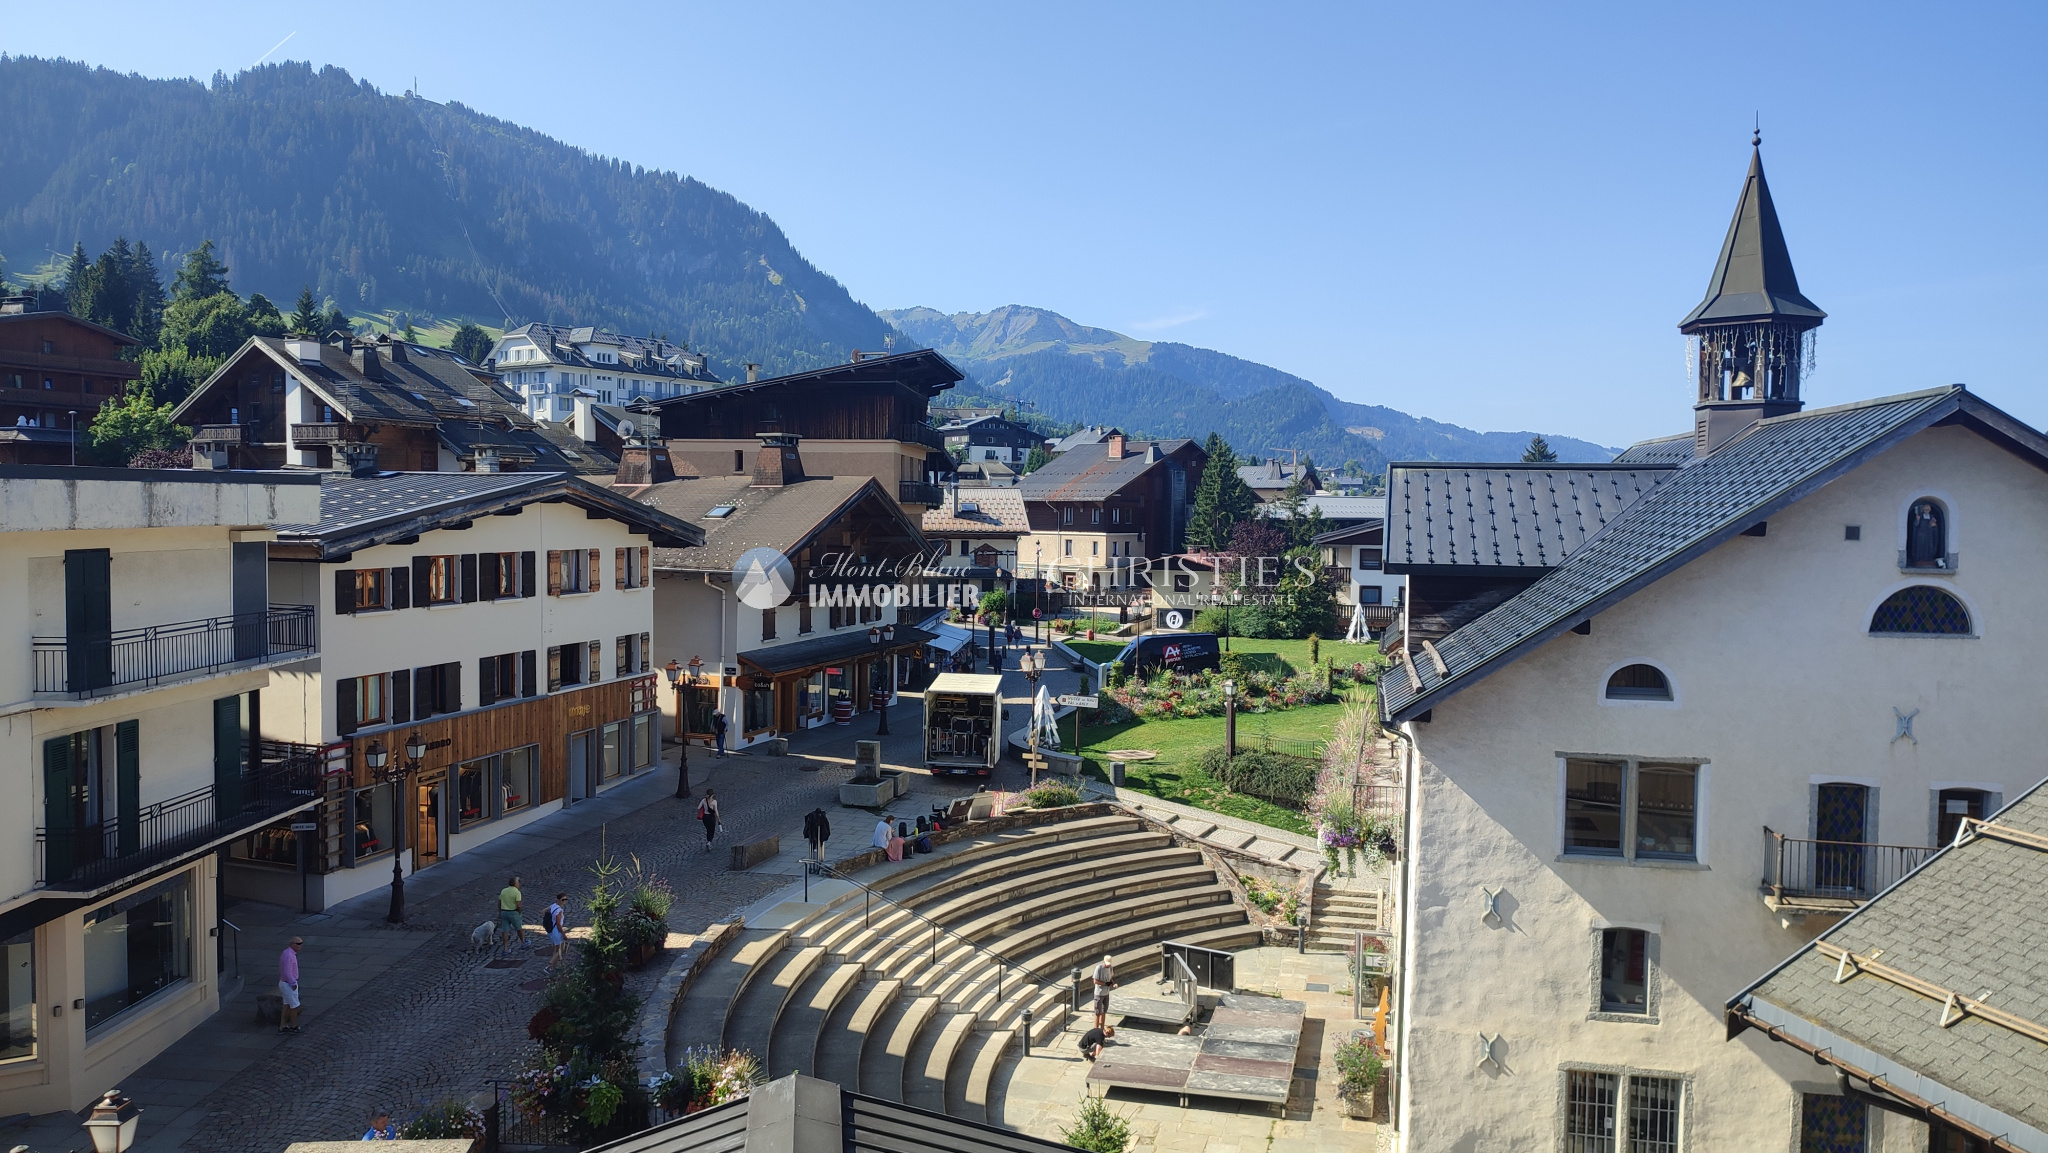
(1927,535)
(1638,683)
(1921,609)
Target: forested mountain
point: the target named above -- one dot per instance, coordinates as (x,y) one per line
(384,202)
(1072,372)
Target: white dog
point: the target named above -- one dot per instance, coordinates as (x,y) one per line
(480,938)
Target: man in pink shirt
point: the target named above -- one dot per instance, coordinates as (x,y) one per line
(288,986)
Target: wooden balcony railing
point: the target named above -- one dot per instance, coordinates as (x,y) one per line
(319,433)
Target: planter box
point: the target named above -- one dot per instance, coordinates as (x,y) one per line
(877,794)
(747,854)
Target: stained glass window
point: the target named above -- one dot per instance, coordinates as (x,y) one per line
(1921,609)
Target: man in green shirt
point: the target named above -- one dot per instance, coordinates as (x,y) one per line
(511,927)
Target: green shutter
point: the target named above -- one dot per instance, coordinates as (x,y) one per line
(128,765)
(58,810)
(227,758)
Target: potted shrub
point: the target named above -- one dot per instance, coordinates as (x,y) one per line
(1362,1073)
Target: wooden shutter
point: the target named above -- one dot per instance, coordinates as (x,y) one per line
(468,563)
(487,576)
(423,580)
(227,754)
(596,573)
(646,649)
(619,569)
(398,706)
(646,574)
(423,686)
(451,687)
(554,668)
(399,581)
(527,678)
(128,778)
(344,591)
(596,662)
(527,585)
(554,572)
(487,681)
(58,809)
(345,706)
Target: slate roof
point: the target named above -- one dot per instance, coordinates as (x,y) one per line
(802,654)
(798,1114)
(1090,434)
(1971,921)
(997,510)
(1771,465)
(640,356)
(1753,278)
(1337,509)
(358,512)
(430,385)
(1504,515)
(777,518)
(1085,471)
(923,370)
(1674,450)
(1274,474)
(576,454)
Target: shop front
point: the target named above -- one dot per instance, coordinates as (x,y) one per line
(825,680)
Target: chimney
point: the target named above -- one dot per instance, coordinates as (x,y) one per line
(778,463)
(355,459)
(305,350)
(753,373)
(1153,455)
(487,459)
(585,421)
(363,356)
(1116,446)
(13,305)
(395,347)
(642,461)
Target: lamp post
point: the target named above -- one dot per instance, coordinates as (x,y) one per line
(113,1123)
(1230,718)
(674,673)
(396,775)
(878,636)
(74,437)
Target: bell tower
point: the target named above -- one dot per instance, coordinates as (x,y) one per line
(1753,334)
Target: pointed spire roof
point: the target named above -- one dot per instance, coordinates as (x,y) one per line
(1754,280)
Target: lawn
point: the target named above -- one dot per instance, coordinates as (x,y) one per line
(1277,657)
(1174,775)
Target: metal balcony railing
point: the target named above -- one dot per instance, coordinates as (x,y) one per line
(93,664)
(1798,868)
(918,492)
(91,857)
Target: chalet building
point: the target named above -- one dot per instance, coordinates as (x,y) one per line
(296,402)
(1738,702)
(1354,550)
(55,372)
(1096,509)
(1272,478)
(866,418)
(739,612)
(550,366)
(145,640)
(504,619)
(990,440)
(1086,434)
(974,534)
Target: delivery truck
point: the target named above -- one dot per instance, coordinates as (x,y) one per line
(963,723)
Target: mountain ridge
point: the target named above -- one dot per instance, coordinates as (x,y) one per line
(1071,371)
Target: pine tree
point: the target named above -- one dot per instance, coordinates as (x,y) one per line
(148,288)
(78,281)
(1539,452)
(305,319)
(334,320)
(472,343)
(109,299)
(1036,459)
(1202,521)
(203,275)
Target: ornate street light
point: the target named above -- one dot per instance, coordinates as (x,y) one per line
(876,696)
(113,1123)
(674,673)
(396,775)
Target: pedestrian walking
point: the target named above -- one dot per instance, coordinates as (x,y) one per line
(381,1128)
(1105,980)
(707,809)
(557,921)
(511,914)
(718,730)
(817,830)
(288,986)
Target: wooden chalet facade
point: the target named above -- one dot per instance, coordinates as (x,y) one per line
(54,365)
(1097,510)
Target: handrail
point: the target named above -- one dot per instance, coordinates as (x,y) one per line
(871,891)
(1809,867)
(99,662)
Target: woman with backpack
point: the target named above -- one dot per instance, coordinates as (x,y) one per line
(707,812)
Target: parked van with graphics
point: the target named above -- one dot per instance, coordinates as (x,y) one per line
(1181,652)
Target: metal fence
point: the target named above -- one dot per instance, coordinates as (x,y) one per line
(1797,867)
(92,664)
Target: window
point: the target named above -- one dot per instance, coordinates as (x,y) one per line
(1116,516)
(501,575)
(803,617)
(1592,1102)
(1369,594)
(1069,548)
(1066,515)
(444,583)
(369,586)
(1926,535)
(1624,971)
(1921,610)
(1095,548)
(470,780)
(1638,683)
(631,655)
(436,689)
(497,678)
(515,788)
(739,460)
(1183,582)
(758,707)
(1369,558)
(137,947)
(1829,1122)
(18,953)
(1094,516)
(1636,810)
(629,567)
(361,702)
(1954,806)
(572,571)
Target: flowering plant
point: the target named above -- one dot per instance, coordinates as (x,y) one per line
(709,1077)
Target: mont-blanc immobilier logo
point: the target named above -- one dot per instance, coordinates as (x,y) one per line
(763,577)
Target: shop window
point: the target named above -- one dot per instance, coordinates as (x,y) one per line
(18,953)
(372,833)
(275,845)
(759,708)
(137,947)
(1921,610)
(612,748)
(515,786)
(814,695)
(643,742)
(1638,683)
(470,781)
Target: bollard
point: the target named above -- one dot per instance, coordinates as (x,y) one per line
(807,882)
(1027,1032)
(1077,989)
(1301,932)
(866,899)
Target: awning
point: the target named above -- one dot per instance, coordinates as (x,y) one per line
(849,646)
(951,638)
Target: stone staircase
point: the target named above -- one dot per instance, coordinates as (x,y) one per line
(865,992)
(1339,913)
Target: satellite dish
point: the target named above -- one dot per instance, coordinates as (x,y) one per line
(627,429)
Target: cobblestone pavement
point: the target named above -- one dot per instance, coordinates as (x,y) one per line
(399,1016)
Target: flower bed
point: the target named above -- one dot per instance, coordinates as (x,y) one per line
(1169,694)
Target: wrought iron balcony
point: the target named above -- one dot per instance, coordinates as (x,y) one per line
(319,433)
(923,434)
(918,492)
(95,664)
(1809,876)
(82,859)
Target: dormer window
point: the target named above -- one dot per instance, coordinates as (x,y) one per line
(1927,535)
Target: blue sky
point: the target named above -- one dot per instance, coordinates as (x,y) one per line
(1486,214)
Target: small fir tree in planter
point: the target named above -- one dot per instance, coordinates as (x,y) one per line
(1096,1129)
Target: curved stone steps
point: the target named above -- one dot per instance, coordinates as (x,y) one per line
(1054,945)
(1050,1005)
(968,1096)
(793,1043)
(1017,912)
(750,1023)
(846,1029)
(699,1021)
(888,1045)
(926,1070)
(1035,858)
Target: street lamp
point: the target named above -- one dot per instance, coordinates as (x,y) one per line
(1032,664)
(1230,718)
(880,699)
(396,775)
(674,673)
(113,1123)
